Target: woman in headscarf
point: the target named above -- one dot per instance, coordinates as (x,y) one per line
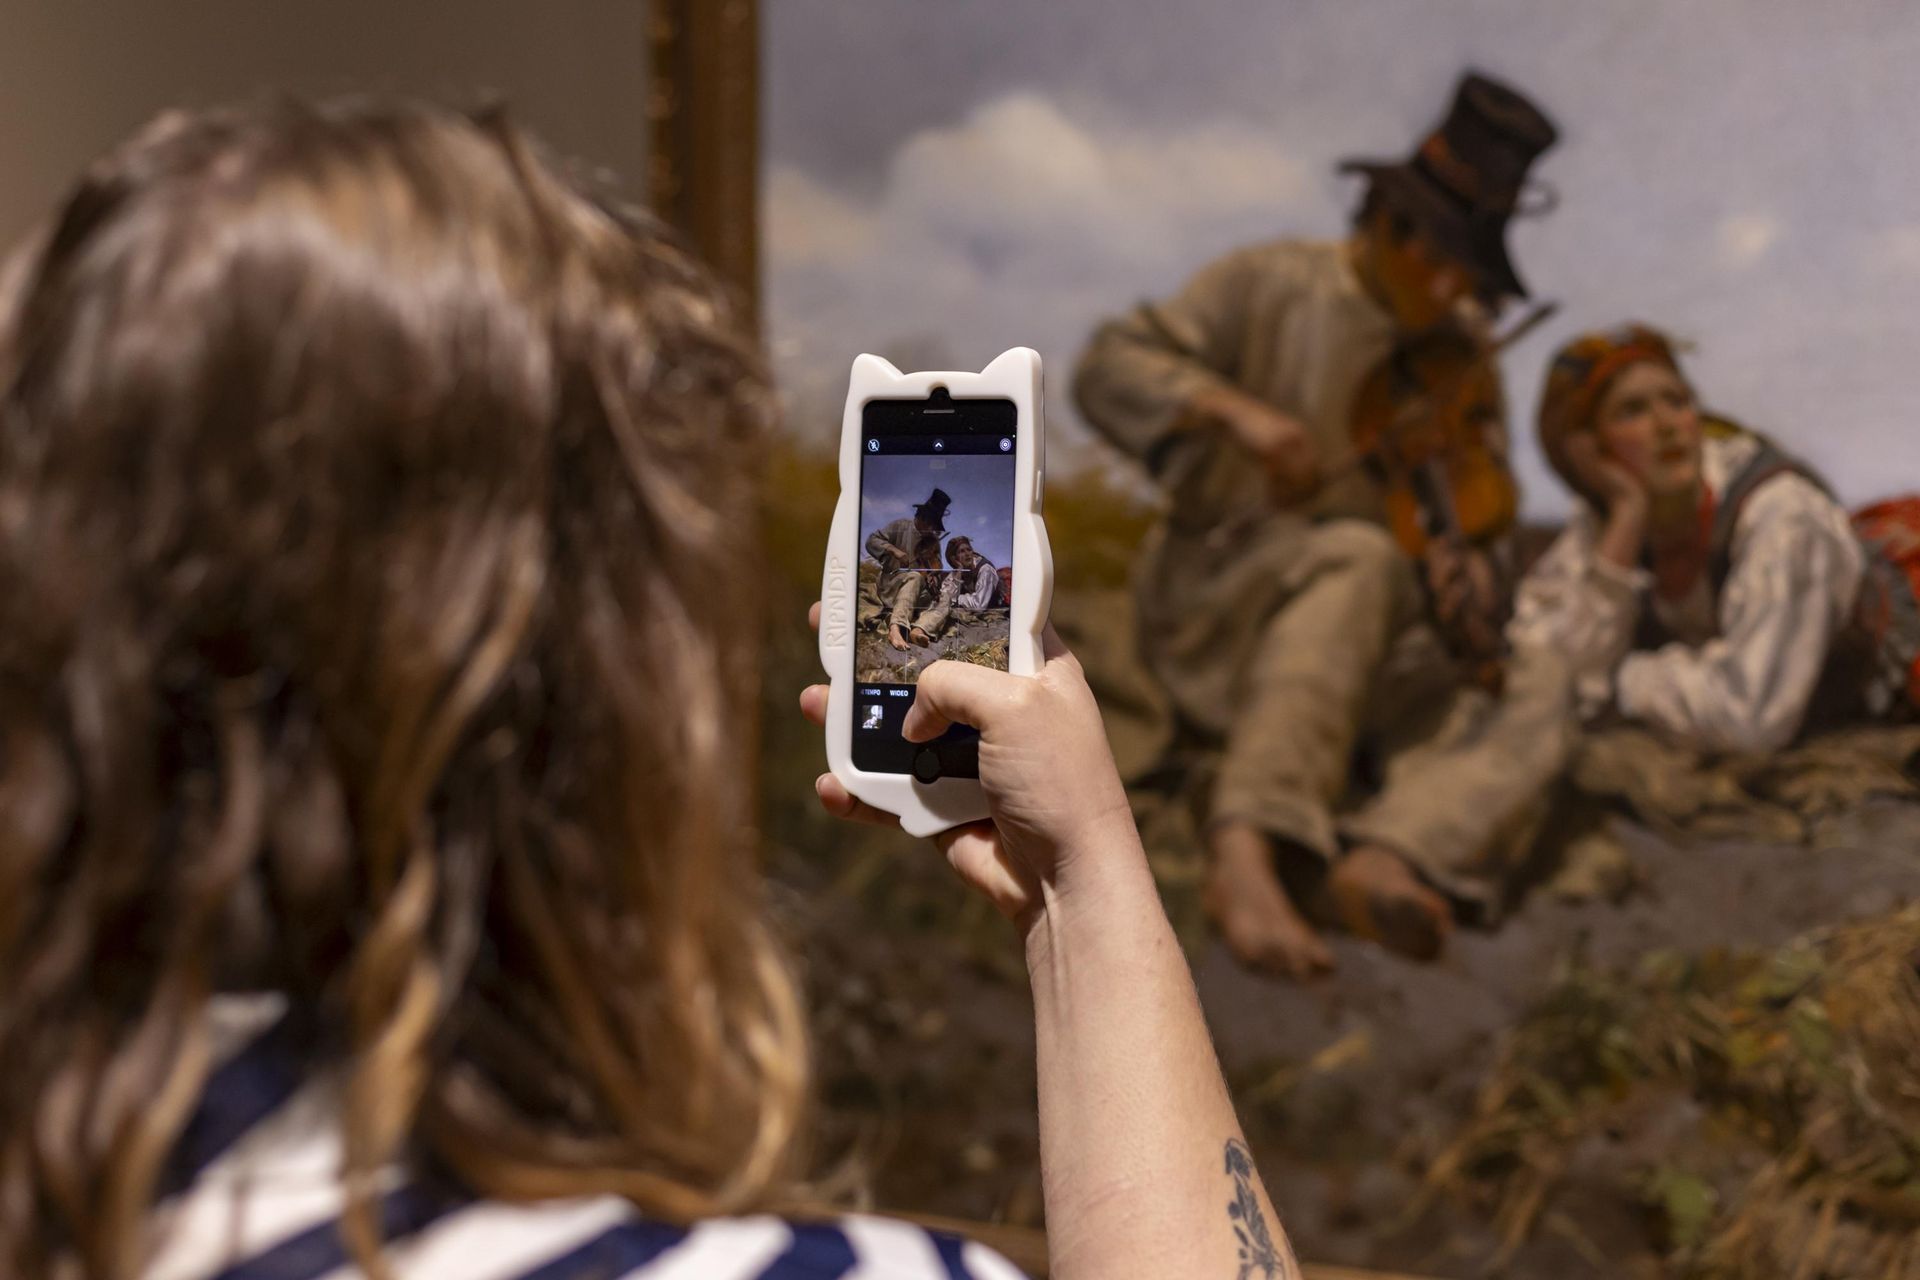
(1708,585)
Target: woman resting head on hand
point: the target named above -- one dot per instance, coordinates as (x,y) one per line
(372,518)
(1710,585)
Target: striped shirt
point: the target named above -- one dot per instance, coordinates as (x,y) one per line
(252,1192)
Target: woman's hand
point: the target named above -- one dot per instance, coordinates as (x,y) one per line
(1613,484)
(1060,820)
(1623,496)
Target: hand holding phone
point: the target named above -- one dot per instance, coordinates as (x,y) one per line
(1057,812)
(927,459)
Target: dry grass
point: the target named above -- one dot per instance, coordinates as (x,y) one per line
(1799,1068)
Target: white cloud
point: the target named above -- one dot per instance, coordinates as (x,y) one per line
(1743,239)
(1032,217)
(1023,223)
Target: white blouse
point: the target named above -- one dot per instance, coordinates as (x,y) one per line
(986,588)
(1742,677)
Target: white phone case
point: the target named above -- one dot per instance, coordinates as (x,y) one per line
(927,808)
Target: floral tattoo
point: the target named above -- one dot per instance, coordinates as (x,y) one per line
(1258,1256)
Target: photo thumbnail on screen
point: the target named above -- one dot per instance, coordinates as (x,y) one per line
(936,570)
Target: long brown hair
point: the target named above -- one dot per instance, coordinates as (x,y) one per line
(374,512)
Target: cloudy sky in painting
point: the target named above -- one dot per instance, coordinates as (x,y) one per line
(945,180)
(980,486)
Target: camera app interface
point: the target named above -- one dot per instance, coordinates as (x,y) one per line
(936,566)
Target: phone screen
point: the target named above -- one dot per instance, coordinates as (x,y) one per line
(936,567)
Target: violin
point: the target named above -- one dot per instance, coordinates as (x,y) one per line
(927,562)
(1428,424)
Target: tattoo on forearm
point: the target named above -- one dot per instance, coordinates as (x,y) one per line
(1259,1255)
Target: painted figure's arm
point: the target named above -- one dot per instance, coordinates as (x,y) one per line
(1795,574)
(1576,602)
(1143,373)
(887,546)
(985,588)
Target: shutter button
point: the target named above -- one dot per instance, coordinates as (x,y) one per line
(926,764)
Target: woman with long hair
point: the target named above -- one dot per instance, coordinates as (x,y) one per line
(376,886)
(1709,585)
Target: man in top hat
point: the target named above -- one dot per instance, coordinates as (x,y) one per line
(1272,598)
(908,551)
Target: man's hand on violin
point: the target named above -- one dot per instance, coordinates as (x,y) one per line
(1280,440)
(1468,604)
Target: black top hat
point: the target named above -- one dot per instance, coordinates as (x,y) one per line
(1464,182)
(935,509)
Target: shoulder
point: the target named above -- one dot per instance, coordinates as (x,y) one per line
(1764,479)
(598,1237)
(1778,500)
(1278,264)
(1789,495)
(253,1189)
(1792,538)
(757,1248)
(1788,504)
(1301,263)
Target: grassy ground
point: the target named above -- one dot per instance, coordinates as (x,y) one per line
(1714,1076)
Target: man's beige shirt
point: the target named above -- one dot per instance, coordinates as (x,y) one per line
(1289,323)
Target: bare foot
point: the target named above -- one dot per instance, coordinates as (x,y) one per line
(1375,894)
(920,637)
(1259,923)
(897,636)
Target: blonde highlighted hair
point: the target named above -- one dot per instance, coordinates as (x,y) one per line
(372,509)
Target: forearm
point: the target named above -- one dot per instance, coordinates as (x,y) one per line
(1134,388)
(1624,533)
(1135,1119)
(1744,694)
(1789,591)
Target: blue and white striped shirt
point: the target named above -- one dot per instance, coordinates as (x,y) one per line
(253,1193)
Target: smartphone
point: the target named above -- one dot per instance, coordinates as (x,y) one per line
(938,553)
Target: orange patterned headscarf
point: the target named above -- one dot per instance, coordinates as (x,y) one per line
(1579,376)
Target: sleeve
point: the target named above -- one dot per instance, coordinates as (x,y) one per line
(1142,368)
(1582,607)
(1796,572)
(877,548)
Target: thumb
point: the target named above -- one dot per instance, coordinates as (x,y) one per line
(950,693)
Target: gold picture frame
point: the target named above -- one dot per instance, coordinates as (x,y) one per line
(703,106)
